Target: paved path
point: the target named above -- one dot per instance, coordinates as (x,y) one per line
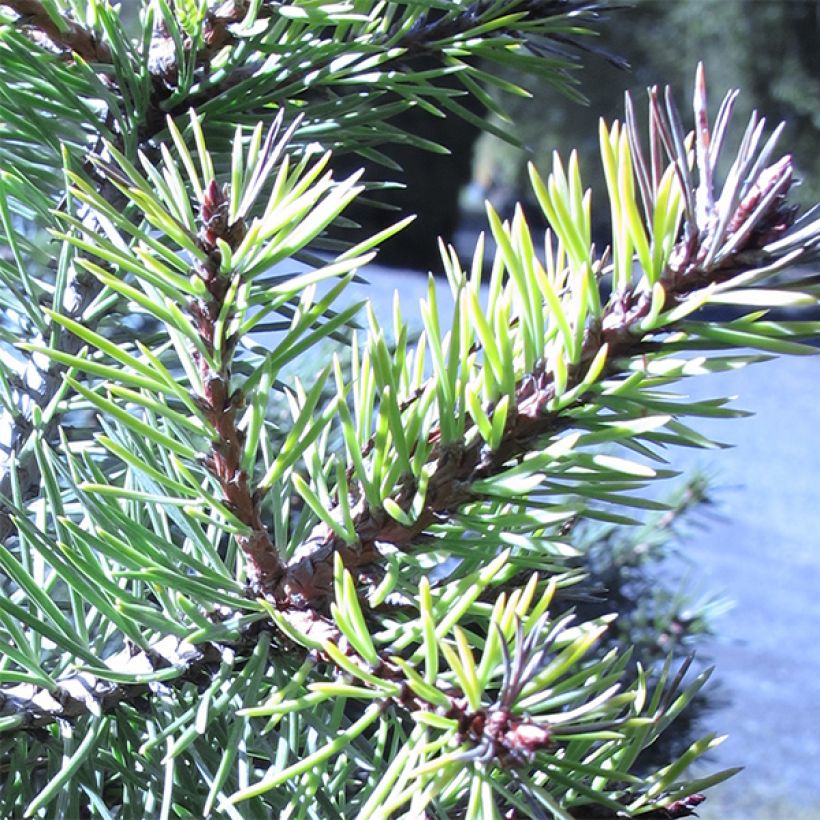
(765,555)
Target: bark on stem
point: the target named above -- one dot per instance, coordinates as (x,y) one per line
(220,405)
(68,36)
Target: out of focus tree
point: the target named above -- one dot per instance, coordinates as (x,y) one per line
(769,49)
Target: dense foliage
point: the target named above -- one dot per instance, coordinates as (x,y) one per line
(263,552)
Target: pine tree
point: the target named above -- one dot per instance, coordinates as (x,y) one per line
(266,554)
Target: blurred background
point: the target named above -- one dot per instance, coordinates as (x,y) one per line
(770,49)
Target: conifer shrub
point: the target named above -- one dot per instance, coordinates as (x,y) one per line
(329,572)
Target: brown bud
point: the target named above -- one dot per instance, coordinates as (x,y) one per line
(212,200)
(214,215)
(529,737)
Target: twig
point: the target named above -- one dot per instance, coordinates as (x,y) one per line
(219,405)
(68,37)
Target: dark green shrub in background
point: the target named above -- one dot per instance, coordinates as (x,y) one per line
(768,49)
(234,591)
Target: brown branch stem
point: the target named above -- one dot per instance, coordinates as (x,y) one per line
(265,568)
(69,36)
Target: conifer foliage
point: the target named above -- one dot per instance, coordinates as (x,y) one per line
(265,553)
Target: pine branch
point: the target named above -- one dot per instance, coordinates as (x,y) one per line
(220,26)
(81,291)
(216,33)
(80,694)
(725,239)
(220,407)
(496,733)
(618,335)
(425,43)
(302,587)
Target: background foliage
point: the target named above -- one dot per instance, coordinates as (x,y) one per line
(767,49)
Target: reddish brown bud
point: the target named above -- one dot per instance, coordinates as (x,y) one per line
(528,737)
(212,199)
(776,178)
(214,215)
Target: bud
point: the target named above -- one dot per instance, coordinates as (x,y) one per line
(214,215)
(761,216)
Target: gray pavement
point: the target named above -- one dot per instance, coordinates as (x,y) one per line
(764,554)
